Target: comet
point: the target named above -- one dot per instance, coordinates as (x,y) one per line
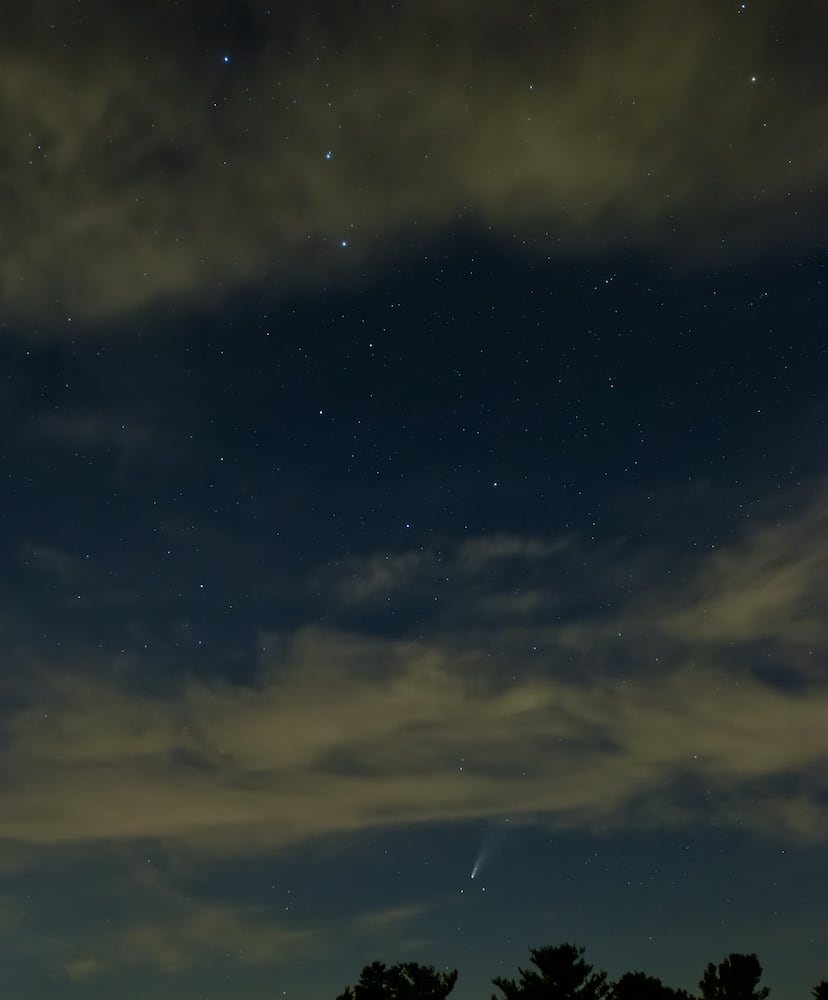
(489,845)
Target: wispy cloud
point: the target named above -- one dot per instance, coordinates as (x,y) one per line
(390,918)
(767,586)
(95,431)
(477,566)
(84,968)
(65,567)
(658,125)
(667,719)
(173,945)
(166,929)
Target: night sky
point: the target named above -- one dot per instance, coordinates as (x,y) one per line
(413,460)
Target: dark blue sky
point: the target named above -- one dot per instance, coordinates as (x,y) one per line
(413,453)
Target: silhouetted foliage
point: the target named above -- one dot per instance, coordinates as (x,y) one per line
(562,974)
(404,981)
(639,986)
(820,991)
(735,978)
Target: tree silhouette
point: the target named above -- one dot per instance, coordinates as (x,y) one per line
(562,974)
(404,981)
(735,978)
(820,991)
(639,986)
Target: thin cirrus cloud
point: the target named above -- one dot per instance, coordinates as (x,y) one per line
(79,969)
(375,921)
(169,174)
(665,717)
(173,945)
(169,931)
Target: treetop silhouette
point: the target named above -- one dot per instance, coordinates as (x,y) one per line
(560,973)
(640,986)
(403,981)
(735,978)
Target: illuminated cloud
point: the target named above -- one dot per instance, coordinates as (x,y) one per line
(8,913)
(769,586)
(344,731)
(392,918)
(167,173)
(84,968)
(469,564)
(175,944)
(325,753)
(166,928)
(95,431)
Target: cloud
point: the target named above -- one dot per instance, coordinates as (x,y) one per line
(146,169)
(167,928)
(324,750)
(702,696)
(173,945)
(97,431)
(8,913)
(390,918)
(62,566)
(406,575)
(84,968)
(768,585)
